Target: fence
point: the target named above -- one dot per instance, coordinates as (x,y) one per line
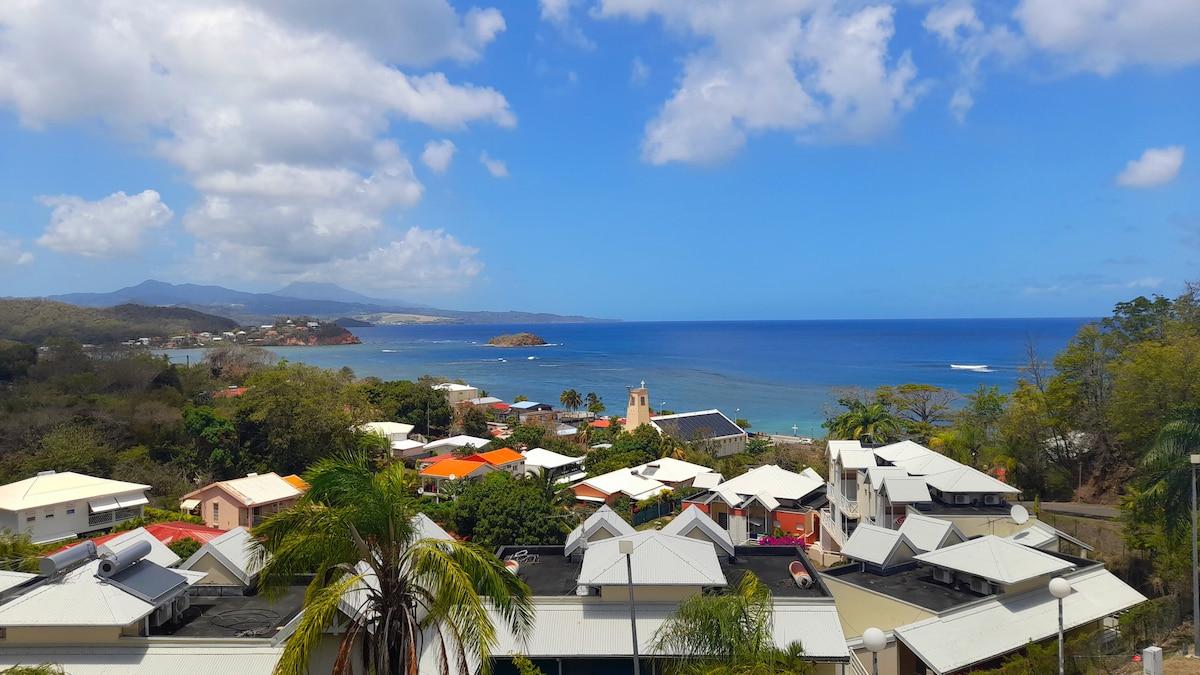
(651,512)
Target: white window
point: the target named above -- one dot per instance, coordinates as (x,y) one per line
(216,512)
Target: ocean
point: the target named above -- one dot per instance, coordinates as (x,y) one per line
(775,374)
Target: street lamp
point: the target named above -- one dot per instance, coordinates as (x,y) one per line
(874,640)
(1060,588)
(1195,568)
(625,546)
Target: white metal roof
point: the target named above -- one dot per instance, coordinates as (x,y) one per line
(996,559)
(427,529)
(256,489)
(585,628)
(876,474)
(79,598)
(658,560)
(696,524)
(671,470)
(930,534)
(407,444)
(939,471)
(1041,535)
(236,550)
(386,428)
(159,553)
(10,580)
(811,473)
(144,659)
(906,489)
(548,459)
(603,519)
(769,479)
(966,479)
(628,481)
(452,386)
(857,459)
(458,442)
(961,637)
(707,481)
(836,447)
(878,546)
(47,488)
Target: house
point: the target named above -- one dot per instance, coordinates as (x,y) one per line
(409,449)
(542,461)
(164,533)
(457,393)
(967,605)
(231,563)
(763,500)
(242,502)
(707,429)
(504,459)
(392,431)
(53,506)
(674,473)
(603,489)
(434,475)
(696,524)
(455,443)
(581,592)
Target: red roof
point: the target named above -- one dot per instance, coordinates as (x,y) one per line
(603,424)
(459,468)
(438,458)
(498,457)
(166,533)
(501,406)
(226,393)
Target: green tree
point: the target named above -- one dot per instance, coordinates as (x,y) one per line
(18,553)
(594,403)
(416,403)
(184,547)
(570,399)
(353,529)
(474,422)
(729,632)
(501,509)
(873,423)
(1163,483)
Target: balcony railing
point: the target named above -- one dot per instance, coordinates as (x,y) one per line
(95,519)
(848,507)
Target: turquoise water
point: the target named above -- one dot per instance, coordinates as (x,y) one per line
(775,374)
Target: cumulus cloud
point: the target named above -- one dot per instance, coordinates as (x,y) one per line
(1156,166)
(496,167)
(816,70)
(11,253)
(276,111)
(112,227)
(1145,282)
(640,72)
(438,154)
(421,260)
(964,34)
(558,14)
(1105,35)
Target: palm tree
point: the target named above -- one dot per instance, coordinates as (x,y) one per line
(730,633)
(873,423)
(354,530)
(571,400)
(1162,488)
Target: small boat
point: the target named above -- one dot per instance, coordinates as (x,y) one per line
(800,574)
(975,368)
(531,358)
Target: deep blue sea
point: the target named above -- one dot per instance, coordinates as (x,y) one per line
(775,374)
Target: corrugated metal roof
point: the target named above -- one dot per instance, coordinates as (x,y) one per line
(996,559)
(696,524)
(159,553)
(1000,624)
(10,580)
(707,481)
(57,488)
(603,519)
(671,470)
(658,560)
(548,459)
(877,546)
(143,659)
(939,471)
(254,490)
(906,490)
(458,468)
(769,479)
(386,428)
(929,534)
(836,447)
(628,481)
(857,459)
(457,442)
(235,549)
(1040,535)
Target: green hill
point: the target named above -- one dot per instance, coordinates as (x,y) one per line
(34,321)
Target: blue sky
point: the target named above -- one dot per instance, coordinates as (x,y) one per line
(635,159)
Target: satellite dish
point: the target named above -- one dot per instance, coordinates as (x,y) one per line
(1019,515)
(452,476)
(420,490)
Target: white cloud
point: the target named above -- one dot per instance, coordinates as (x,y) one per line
(1157,166)
(640,72)
(813,69)
(496,167)
(277,111)
(438,154)
(1105,35)
(11,253)
(112,227)
(1145,282)
(962,32)
(423,260)
(558,14)
(555,11)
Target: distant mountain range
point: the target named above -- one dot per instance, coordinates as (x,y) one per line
(321,301)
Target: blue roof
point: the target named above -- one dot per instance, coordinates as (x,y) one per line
(525,405)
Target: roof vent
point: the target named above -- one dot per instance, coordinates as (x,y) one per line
(46,473)
(53,564)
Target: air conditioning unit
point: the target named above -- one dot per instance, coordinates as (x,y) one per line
(162,615)
(943,575)
(981,585)
(991,500)
(962,499)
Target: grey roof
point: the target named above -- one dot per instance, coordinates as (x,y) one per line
(996,559)
(235,550)
(696,524)
(10,580)
(697,425)
(930,534)
(1040,535)
(604,519)
(658,560)
(159,553)
(878,546)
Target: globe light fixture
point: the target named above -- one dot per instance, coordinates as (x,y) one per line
(1060,588)
(874,640)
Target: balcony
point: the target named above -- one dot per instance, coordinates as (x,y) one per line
(848,507)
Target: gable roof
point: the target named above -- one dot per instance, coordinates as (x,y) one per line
(905,489)
(1040,534)
(603,519)
(235,550)
(836,447)
(671,470)
(50,487)
(658,560)
(878,546)
(697,425)
(857,459)
(770,479)
(627,481)
(548,459)
(939,471)
(707,481)
(254,489)
(459,468)
(498,457)
(930,534)
(696,524)
(457,442)
(959,638)
(996,559)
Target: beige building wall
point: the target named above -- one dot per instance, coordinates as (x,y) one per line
(63,635)
(648,593)
(228,509)
(860,609)
(972,526)
(889,660)
(637,412)
(218,574)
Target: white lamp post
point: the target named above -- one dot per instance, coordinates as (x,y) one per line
(1060,588)
(625,546)
(874,640)
(1195,569)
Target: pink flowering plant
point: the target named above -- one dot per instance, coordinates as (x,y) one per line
(783,541)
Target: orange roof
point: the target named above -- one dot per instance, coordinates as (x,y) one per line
(602,423)
(498,457)
(459,468)
(297,482)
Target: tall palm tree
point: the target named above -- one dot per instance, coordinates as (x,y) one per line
(730,633)
(403,594)
(571,400)
(873,423)
(1163,486)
